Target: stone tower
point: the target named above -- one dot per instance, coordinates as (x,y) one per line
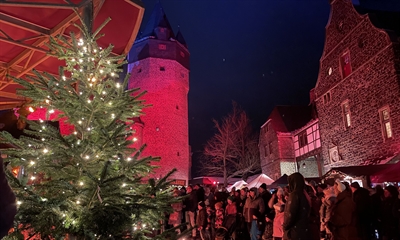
(159,64)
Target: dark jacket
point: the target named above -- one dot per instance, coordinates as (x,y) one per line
(253,206)
(297,210)
(341,217)
(8,208)
(201,220)
(191,202)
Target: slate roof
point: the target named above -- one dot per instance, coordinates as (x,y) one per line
(180,38)
(157,19)
(290,118)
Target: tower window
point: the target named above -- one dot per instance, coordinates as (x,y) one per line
(386,123)
(346,114)
(327,97)
(177,107)
(182,75)
(345,63)
(182,54)
(303,141)
(139,70)
(162,46)
(162,69)
(178,154)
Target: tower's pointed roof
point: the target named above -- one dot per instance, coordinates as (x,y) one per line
(180,38)
(157,19)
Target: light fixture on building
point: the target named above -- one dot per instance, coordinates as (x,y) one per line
(304,165)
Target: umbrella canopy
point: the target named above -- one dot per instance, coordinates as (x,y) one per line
(237,185)
(280,182)
(389,174)
(26,27)
(262,178)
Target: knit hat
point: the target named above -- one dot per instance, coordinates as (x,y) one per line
(341,187)
(263,186)
(202,204)
(253,189)
(232,198)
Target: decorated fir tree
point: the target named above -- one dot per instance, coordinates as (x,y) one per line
(87,182)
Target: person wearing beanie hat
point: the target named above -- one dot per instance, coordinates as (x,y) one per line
(263,186)
(253,213)
(266,196)
(201,220)
(342,213)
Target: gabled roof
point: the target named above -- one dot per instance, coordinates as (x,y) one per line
(157,19)
(180,38)
(383,18)
(290,118)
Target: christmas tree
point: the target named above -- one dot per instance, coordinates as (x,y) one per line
(87,181)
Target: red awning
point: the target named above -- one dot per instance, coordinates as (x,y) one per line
(26,26)
(390,174)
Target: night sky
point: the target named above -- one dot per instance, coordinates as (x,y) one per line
(259,53)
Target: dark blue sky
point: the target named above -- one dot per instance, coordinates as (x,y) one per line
(259,53)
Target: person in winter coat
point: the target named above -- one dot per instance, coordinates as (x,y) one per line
(297,210)
(253,213)
(314,217)
(363,211)
(389,215)
(201,221)
(278,202)
(190,205)
(342,212)
(8,208)
(175,218)
(376,207)
(328,201)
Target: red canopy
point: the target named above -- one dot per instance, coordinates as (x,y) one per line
(390,174)
(26,26)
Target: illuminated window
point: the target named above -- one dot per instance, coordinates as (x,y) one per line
(346,114)
(386,124)
(345,63)
(303,139)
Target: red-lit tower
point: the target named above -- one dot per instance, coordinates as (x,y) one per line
(159,64)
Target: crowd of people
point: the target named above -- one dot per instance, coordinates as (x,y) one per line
(334,210)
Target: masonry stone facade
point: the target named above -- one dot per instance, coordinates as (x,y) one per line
(357,91)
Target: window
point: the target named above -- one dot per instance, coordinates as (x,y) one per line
(162,46)
(386,124)
(182,75)
(345,64)
(346,114)
(270,148)
(266,151)
(139,70)
(303,139)
(182,54)
(327,97)
(162,69)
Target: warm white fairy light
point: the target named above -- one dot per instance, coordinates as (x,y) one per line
(33,178)
(45,150)
(108,62)
(43,139)
(79,122)
(29,145)
(93,79)
(101,71)
(32,163)
(63,77)
(89,101)
(75,132)
(51,111)
(112,74)
(110,103)
(63,214)
(123,184)
(31,109)
(78,202)
(47,101)
(104,92)
(43,127)
(19,202)
(81,183)
(129,159)
(118,85)
(40,120)
(135,139)
(112,115)
(87,157)
(89,129)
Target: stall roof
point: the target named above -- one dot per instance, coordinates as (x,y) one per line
(357,171)
(390,174)
(27,25)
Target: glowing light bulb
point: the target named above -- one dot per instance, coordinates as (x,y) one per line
(43,139)
(135,139)
(29,145)
(77,202)
(47,101)
(101,71)
(63,215)
(40,120)
(112,74)
(124,185)
(32,162)
(87,157)
(19,202)
(112,115)
(45,150)
(89,129)
(33,178)
(118,85)
(43,127)
(79,122)
(31,109)
(110,103)
(129,159)
(51,111)
(89,101)
(104,92)
(75,132)
(108,62)
(81,183)
(63,77)
(94,50)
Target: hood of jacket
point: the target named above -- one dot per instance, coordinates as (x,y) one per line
(296,182)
